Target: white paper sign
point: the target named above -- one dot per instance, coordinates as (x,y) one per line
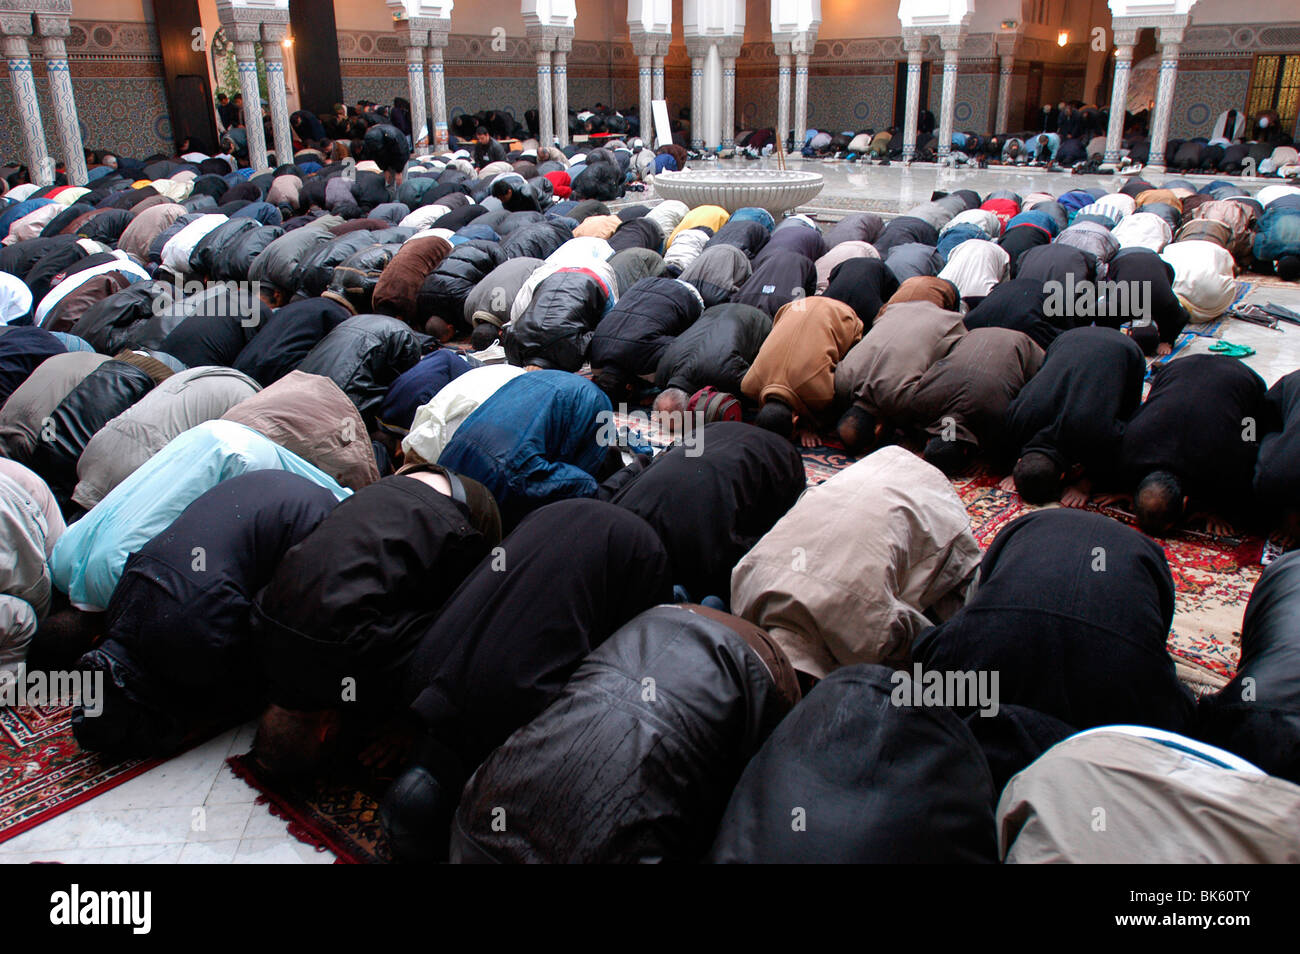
(662,125)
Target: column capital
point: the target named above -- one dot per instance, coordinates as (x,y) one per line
(438,37)
(54,24)
(413,36)
(1171,35)
(913,40)
(16,24)
(698,46)
(273,33)
(951,37)
(1007,44)
(729,46)
(649,44)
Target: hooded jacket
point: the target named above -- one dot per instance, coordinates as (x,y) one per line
(682,752)
(777,280)
(443,293)
(23,416)
(849,597)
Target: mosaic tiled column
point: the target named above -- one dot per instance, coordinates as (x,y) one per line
(657,74)
(1004,93)
(1118,102)
(545,133)
(1164,100)
(560,76)
(728,141)
(19,61)
(437,90)
(947,106)
(273,35)
(246,63)
(644,97)
(53,31)
(800,97)
(697,102)
(912,115)
(415,44)
(783,98)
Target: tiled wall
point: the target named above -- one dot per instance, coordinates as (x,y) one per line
(117,78)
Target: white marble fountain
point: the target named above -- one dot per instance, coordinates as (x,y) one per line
(776,190)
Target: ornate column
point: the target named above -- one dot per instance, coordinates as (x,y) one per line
(912,43)
(950,40)
(729,49)
(416,40)
(1006,47)
(545,133)
(657,69)
(783,60)
(17,27)
(273,35)
(644,46)
(560,74)
(53,30)
(437,90)
(246,63)
(1170,39)
(1125,40)
(698,48)
(802,46)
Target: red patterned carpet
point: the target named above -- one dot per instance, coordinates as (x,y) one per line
(43,772)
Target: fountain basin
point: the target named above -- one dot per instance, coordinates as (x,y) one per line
(771,189)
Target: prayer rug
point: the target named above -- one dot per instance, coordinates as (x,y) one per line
(43,772)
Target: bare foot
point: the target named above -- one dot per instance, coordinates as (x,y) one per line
(1074,497)
(1164,349)
(808,438)
(1007,483)
(1218,526)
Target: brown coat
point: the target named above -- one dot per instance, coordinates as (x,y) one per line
(398,286)
(883,369)
(796,364)
(310,415)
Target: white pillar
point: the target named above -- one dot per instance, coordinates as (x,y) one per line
(951,47)
(246,62)
(782,95)
(644,96)
(560,73)
(415,44)
(697,102)
(1169,43)
(1004,93)
(657,70)
(728,103)
(272,36)
(437,91)
(1118,100)
(17,29)
(545,133)
(800,97)
(912,114)
(53,30)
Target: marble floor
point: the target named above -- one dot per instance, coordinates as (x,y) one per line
(894,188)
(190,810)
(193,810)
